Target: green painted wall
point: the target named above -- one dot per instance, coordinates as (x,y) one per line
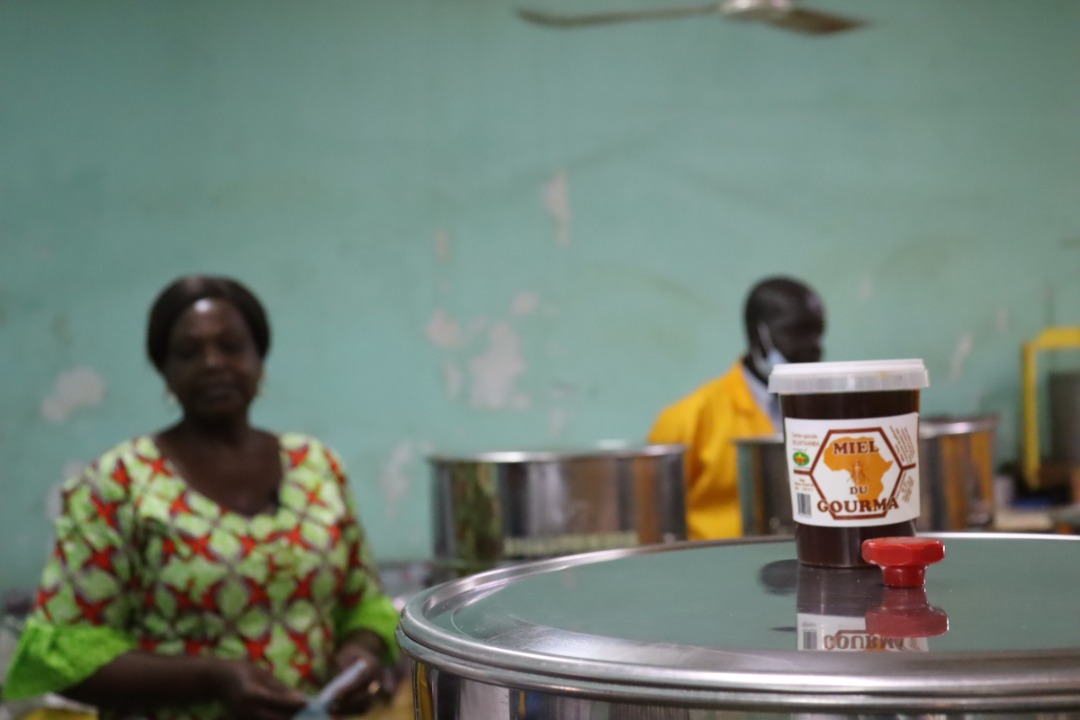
(473,233)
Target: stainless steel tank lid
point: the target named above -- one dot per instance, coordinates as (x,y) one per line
(605,450)
(703,624)
(937,426)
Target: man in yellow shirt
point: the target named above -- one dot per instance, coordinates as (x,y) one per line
(785,321)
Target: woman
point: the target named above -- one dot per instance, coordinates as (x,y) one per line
(212,569)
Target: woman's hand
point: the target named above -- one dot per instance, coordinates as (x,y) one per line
(250,692)
(375,684)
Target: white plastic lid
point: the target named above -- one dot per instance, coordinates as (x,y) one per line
(838,377)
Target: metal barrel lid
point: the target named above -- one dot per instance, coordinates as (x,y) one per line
(933,426)
(604,450)
(716,625)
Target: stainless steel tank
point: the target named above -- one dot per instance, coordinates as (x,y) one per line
(956,468)
(495,508)
(956,482)
(1064,395)
(739,629)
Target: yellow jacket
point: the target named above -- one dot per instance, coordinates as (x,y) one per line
(707,421)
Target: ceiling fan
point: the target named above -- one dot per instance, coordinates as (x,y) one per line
(777,13)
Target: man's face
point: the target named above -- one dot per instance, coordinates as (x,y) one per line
(797,330)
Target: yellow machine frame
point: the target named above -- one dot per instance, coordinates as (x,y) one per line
(1056,338)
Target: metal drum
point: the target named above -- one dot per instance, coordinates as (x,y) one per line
(956,478)
(739,629)
(502,507)
(764,488)
(956,466)
(1064,395)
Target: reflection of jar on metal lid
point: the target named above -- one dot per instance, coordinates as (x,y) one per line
(832,605)
(850,610)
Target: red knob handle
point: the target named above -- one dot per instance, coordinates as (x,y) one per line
(903,560)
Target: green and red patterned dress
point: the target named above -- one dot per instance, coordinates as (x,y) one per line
(142,561)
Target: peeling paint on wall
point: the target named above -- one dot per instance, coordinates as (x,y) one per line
(76,388)
(557,419)
(442,246)
(395,479)
(963,349)
(866,288)
(53,502)
(454,378)
(443,330)
(525,303)
(558,416)
(1001,319)
(557,203)
(495,371)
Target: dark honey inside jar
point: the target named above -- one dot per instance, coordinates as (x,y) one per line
(886,395)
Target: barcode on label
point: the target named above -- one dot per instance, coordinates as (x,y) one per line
(809,640)
(802,501)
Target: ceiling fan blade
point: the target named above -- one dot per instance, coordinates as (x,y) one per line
(607,18)
(812,22)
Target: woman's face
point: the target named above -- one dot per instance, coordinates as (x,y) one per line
(212,364)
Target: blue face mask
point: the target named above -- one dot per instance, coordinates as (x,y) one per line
(764,364)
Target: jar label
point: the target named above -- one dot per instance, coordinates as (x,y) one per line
(853,473)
